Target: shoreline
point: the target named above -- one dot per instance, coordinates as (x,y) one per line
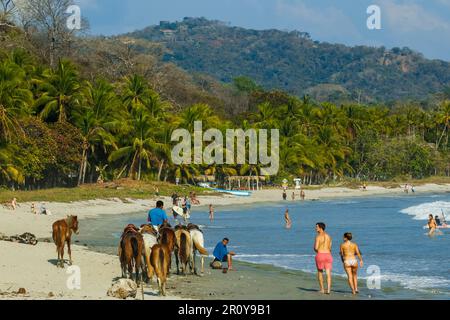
(32,267)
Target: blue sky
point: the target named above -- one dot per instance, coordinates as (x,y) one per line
(423,25)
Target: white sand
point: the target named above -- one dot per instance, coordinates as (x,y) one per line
(32,268)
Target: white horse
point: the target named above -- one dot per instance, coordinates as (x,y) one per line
(198,245)
(150,239)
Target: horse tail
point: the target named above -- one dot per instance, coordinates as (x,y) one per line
(199,247)
(57,236)
(162,262)
(183,247)
(135,247)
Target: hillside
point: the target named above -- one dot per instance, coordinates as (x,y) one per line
(293,62)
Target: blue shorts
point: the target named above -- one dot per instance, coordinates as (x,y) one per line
(225,259)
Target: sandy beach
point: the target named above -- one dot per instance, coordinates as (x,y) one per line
(33,267)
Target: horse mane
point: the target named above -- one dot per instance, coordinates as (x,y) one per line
(148,229)
(69,220)
(192,226)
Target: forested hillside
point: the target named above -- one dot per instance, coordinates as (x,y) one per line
(294,62)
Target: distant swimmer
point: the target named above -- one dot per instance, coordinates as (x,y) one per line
(287,219)
(431,225)
(211,213)
(438,221)
(324,259)
(349,251)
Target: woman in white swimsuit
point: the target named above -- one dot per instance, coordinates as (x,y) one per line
(349,251)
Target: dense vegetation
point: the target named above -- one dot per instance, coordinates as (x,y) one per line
(293,62)
(106,110)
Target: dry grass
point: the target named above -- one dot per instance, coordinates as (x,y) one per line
(119,189)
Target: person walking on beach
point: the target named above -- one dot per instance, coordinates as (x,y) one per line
(324,259)
(287,219)
(157,216)
(348,252)
(222,254)
(211,213)
(284,195)
(302,195)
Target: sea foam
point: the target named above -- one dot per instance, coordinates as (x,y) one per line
(421,211)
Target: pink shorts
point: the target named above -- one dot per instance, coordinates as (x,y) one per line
(324,261)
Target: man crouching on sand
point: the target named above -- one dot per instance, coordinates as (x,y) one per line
(324,259)
(221,253)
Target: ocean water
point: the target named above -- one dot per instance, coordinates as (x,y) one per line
(389,231)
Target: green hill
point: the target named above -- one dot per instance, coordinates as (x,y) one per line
(293,62)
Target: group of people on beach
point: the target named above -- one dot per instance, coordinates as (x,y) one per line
(301,195)
(349,252)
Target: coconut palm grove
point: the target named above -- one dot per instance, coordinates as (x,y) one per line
(76,109)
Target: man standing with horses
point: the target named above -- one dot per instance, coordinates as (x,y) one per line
(157,216)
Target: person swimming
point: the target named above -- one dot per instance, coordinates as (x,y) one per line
(349,251)
(431,225)
(438,221)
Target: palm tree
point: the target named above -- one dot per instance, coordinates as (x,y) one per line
(443,118)
(60,91)
(136,93)
(140,144)
(8,172)
(15,99)
(92,119)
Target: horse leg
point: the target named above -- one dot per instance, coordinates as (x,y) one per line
(58,250)
(203,265)
(193,265)
(69,251)
(61,248)
(177,261)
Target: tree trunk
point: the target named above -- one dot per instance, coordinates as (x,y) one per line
(80,173)
(140,168)
(161,164)
(85,167)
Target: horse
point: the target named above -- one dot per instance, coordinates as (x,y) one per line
(183,250)
(198,245)
(159,262)
(130,251)
(62,233)
(149,235)
(167,237)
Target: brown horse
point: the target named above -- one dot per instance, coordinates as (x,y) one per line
(159,261)
(62,233)
(130,251)
(184,250)
(167,237)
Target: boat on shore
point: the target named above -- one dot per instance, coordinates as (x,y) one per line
(238,193)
